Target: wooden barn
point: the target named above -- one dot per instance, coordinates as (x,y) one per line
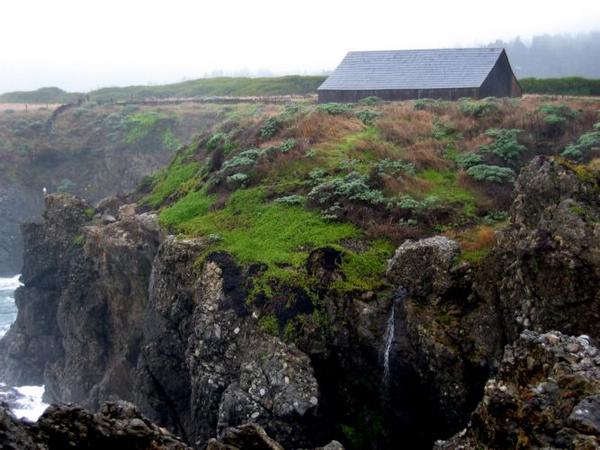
(410,74)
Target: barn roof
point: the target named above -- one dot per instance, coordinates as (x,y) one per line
(413,69)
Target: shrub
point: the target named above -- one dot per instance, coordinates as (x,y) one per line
(334,108)
(479,109)
(429,104)
(505,144)
(291,200)
(367,116)
(467,160)
(238,161)
(370,101)
(556,118)
(271,127)
(353,187)
(238,180)
(269,324)
(491,174)
(410,203)
(217,140)
(584,145)
(287,145)
(316,174)
(394,167)
(554,113)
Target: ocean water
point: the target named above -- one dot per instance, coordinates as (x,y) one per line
(25,401)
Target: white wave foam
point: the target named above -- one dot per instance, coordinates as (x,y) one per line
(10,284)
(30,406)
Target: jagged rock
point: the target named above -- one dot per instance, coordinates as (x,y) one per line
(109,206)
(546,263)
(118,425)
(253,436)
(423,267)
(545,396)
(14,434)
(247,436)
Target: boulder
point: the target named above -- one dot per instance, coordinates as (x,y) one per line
(118,425)
(423,267)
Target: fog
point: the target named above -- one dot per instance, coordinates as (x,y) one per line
(80,46)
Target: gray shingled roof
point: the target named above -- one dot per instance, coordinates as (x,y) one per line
(413,69)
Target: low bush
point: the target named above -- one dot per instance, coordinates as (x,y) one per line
(353,187)
(466,160)
(334,108)
(270,128)
(491,174)
(367,116)
(479,109)
(585,145)
(287,145)
(370,101)
(505,145)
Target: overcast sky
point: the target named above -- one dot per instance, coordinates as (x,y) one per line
(86,44)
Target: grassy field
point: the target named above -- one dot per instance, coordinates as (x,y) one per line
(206,87)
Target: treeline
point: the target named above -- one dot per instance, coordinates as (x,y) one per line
(554,56)
(561,86)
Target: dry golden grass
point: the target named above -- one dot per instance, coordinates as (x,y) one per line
(427,154)
(319,127)
(476,238)
(402,125)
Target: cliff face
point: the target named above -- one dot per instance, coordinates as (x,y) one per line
(90,151)
(113,308)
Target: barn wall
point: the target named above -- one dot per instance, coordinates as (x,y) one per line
(501,81)
(348,96)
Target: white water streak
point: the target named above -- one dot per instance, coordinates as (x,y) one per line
(389,340)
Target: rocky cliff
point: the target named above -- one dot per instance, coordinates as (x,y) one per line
(114,308)
(90,150)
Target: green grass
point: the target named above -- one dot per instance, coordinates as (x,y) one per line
(254,230)
(139,125)
(364,270)
(171,181)
(331,156)
(444,186)
(474,256)
(195,203)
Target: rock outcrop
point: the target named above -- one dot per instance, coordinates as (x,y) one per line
(545,269)
(118,425)
(546,395)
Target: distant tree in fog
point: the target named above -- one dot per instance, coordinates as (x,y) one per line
(553,56)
